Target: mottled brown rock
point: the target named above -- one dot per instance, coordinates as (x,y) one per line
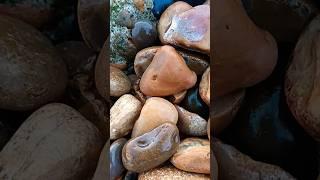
(143,59)
(191,123)
(188,28)
(235,165)
(123,115)
(167,74)
(119,82)
(31,71)
(55,142)
(170,172)
(177,98)
(302,85)
(93,24)
(204,87)
(155,112)
(101,71)
(224,110)
(151,149)
(243,54)
(193,155)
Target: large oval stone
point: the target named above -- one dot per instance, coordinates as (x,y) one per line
(193,155)
(155,112)
(151,149)
(167,74)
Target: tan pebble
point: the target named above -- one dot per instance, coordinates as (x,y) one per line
(119,82)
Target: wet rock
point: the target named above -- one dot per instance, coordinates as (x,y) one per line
(151,149)
(167,74)
(193,103)
(119,82)
(31,71)
(186,27)
(123,115)
(190,123)
(204,87)
(144,34)
(193,155)
(170,172)
(225,109)
(235,165)
(155,112)
(116,166)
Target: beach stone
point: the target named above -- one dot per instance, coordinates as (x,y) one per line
(144,34)
(167,74)
(190,123)
(123,114)
(155,112)
(193,103)
(170,172)
(193,155)
(151,149)
(116,166)
(119,82)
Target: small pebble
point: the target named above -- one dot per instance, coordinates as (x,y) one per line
(144,34)
(151,149)
(155,112)
(193,155)
(190,123)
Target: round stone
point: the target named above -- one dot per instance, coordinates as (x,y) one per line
(116,166)
(144,34)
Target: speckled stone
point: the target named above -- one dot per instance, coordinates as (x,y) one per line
(116,167)
(170,173)
(193,155)
(190,123)
(151,149)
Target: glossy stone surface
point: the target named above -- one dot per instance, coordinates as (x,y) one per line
(193,155)
(193,103)
(170,172)
(131,176)
(144,34)
(151,149)
(159,6)
(235,165)
(152,115)
(167,74)
(116,167)
(190,123)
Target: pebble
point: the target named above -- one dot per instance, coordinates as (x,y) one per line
(151,149)
(226,107)
(204,87)
(170,173)
(167,74)
(123,115)
(119,82)
(178,98)
(159,6)
(193,155)
(143,59)
(155,112)
(189,29)
(235,165)
(194,103)
(126,19)
(144,34)
(190,123)
(116,166)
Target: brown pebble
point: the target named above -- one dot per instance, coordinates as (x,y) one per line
(119,82)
